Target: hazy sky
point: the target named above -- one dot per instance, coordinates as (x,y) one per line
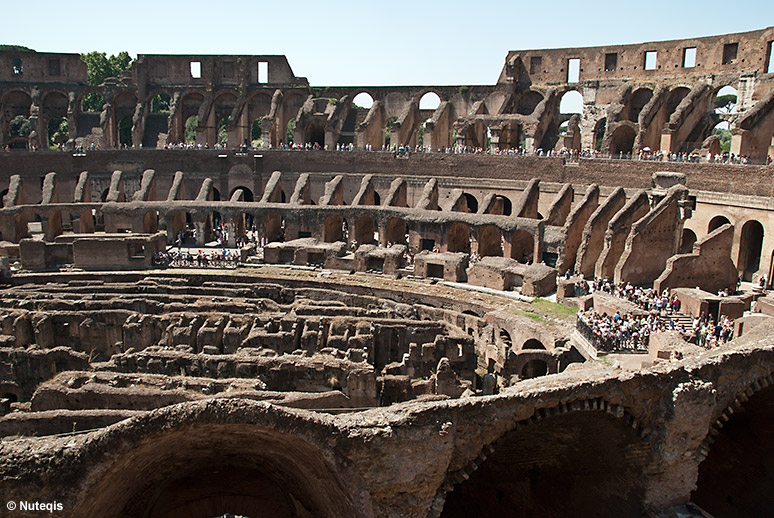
(369,43)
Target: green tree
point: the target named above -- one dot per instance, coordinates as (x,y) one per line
(58,132)
(725,103)
(125,131)
(223,130)
(160,103)
(190,128)
(724,136)
(98,68)
(255,133)
(20,126)
(291,130)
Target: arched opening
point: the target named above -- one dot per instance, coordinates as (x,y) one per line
(123,110)
(125,132)
(599,133)
(58,132)
(687,241)
(717,222)
(725,100)
(256,133)
(512,137)
(251,470)
(183,228)
(571,102)
(501,205)
(522,246)
(54,108)
(333,229)
(160,103)
(191,123)
(189,106)
(223,125)
(534,369)
(458,239)
(750,246)
(469,204)
(365,230)
(247,194)
(535,344)
(736,477)
(722,131)
(637,102)
(528,102)
(490,241)
(157,122)
(396,231)
(16,114)
(596,461)
(315,133)
(363,100)
(429,101)
(622,141)
(290,130)
(676,96)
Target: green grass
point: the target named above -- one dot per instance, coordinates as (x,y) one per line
(542,310)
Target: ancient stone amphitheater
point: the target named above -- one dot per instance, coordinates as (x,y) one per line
(377,345)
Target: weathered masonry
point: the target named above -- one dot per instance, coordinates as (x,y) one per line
(651,96)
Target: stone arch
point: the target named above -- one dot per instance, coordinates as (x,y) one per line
(522,245)
(571,102)
(257,464)
(16,107)
(750,248)
(622,140)
(717,222)
(363,99)
(534,343)
(490,241)
(734,478)
(429,100)
(687,241)
(528,101)
(396,230)
(159,102)
(458,237)
(333,228)
(722,102)
(525,466)
(676,96)
(364,230)
(505,338)
(123,111)
(471,202)
(501,205)
(637,102)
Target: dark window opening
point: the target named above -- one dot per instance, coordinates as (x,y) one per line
(535,64)
(435,270)
(611,61)
(16,67)
(729,52)
(54,67)
(428,244)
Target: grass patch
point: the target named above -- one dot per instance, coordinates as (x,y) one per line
(544,311)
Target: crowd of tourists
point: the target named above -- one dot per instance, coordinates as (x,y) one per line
(200,259)
(624,331)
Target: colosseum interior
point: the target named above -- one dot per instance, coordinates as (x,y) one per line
(266,300)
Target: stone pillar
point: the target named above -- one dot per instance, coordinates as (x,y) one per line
(495,138)
(666,142)
(200,227)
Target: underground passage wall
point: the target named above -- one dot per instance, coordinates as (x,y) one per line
(737,477)
(577,464)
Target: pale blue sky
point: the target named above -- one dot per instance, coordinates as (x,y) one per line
(369,43)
